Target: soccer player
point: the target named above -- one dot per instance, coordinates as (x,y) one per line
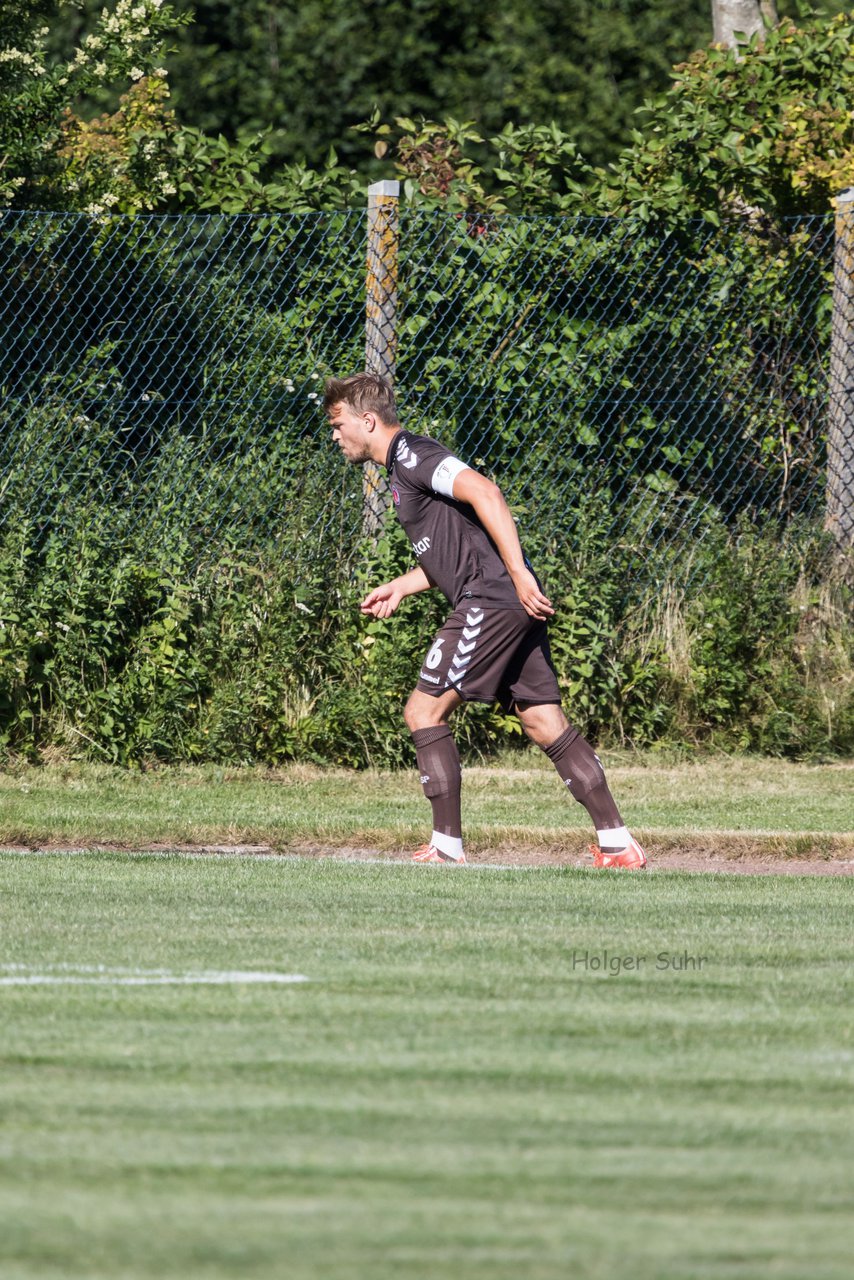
(494,645)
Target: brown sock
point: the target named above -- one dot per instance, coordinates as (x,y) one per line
(441,778)
(579,767)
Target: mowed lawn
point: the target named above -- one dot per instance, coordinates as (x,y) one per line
(796,807)
(487,1074)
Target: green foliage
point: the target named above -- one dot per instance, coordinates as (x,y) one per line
(44,152)
(767,133)
(135,155)
(161,603)
(315,69)
(764,132)
(131,645)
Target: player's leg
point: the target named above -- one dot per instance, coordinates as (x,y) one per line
(438,760)
(581,770)
(531,688)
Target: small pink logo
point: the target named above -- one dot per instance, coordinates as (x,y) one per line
(395,495)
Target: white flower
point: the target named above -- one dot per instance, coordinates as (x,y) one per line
(17,55)
(136,74)
(101,69)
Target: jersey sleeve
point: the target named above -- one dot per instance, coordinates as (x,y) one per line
(432,466)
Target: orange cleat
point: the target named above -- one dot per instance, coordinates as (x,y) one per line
(632,858)
(429,853)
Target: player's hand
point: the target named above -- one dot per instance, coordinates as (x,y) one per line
(382,601)
(533,600)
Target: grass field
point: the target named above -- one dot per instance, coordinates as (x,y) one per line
(793,808)
(455,1091)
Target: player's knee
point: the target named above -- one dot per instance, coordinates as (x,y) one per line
(413,717)
(422,713)
(543,723)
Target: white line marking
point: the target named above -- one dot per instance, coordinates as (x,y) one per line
(269,855)
(21,975)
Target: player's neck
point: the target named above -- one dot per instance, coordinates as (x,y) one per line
(381,439)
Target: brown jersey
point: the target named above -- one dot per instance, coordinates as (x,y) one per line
(451,544)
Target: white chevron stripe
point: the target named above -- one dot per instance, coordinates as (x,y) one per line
(471,632)
(466,648)
(474,617)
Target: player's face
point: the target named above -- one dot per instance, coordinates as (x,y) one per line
(349,432)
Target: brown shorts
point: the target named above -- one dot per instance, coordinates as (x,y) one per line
(491,655)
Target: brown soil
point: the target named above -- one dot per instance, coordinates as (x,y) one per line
(702,856)
(726,852)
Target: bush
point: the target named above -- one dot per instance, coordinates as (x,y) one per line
(132,649)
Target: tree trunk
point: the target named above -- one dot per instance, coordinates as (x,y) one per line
(729,16)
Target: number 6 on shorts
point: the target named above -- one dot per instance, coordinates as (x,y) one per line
(434,657)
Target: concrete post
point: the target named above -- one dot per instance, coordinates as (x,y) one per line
(380,322)
(840,428)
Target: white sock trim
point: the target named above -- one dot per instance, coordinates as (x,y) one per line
(614,838)
(452,845)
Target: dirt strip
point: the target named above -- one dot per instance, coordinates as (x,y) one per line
(703,858)
(727,853)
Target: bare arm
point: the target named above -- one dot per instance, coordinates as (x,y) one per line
(382,601)
(497,519)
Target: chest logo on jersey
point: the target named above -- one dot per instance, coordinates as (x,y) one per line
(420,547)
(395,494)
(406,457)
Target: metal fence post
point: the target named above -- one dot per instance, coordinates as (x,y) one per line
(840,431)
(380,322)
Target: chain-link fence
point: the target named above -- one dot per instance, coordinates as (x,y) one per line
(166,373)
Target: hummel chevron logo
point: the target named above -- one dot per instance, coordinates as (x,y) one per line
(406,452)
(466,648)
(474,617)
(471,633)
(459,662)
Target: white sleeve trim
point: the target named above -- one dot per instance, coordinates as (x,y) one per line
(445,475)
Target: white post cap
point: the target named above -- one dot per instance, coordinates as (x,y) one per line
(389,188)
